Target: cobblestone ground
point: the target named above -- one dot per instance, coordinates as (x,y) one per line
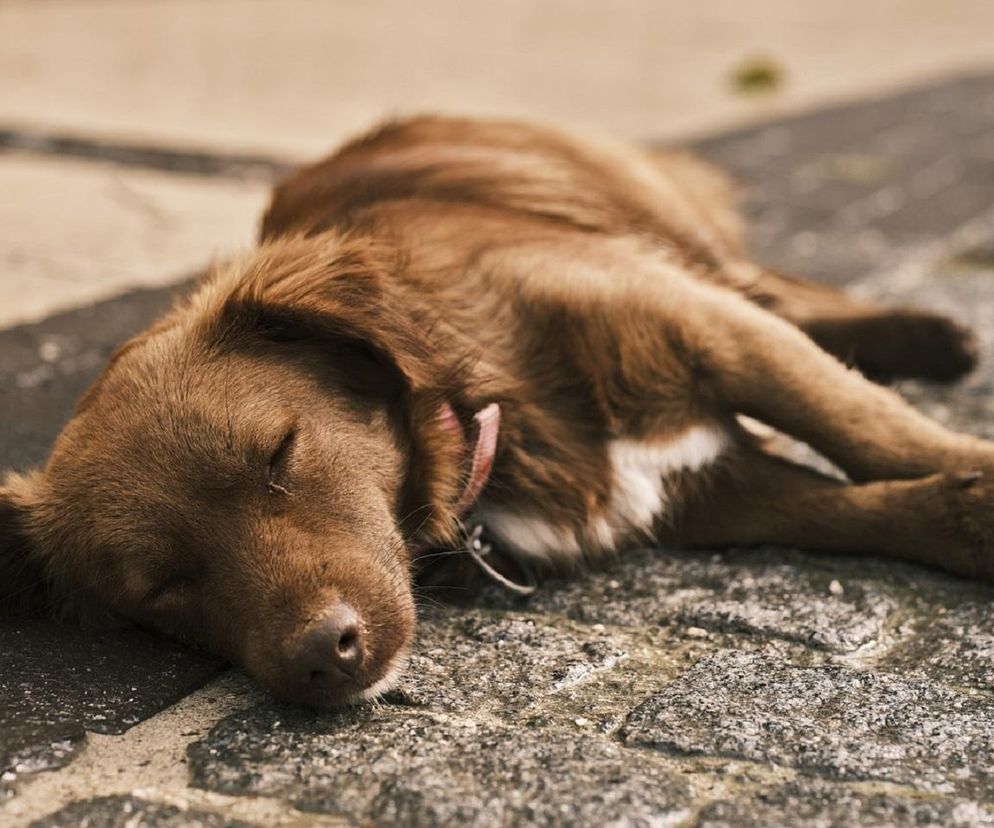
(726,689)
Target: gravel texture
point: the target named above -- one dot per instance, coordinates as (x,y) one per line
(810,804)
(827,720)
(129,812)
(391,767)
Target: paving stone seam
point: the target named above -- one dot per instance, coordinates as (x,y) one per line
(158,748)
(165,158)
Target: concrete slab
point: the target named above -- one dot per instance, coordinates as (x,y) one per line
(73,233)
(144,771)
(296,76)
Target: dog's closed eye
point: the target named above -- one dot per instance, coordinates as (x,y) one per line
(276,472)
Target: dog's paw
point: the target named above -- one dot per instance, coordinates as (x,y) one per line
(940,348)
(915,344)
(969,496)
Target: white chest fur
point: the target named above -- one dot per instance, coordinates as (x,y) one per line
(642,474)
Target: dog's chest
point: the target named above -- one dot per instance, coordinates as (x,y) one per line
(644,486)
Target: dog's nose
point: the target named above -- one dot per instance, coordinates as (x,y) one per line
(329,654)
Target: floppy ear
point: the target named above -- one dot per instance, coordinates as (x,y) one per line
(24,586)
(27,587)
(338,290)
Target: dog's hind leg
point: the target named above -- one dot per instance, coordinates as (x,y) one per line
(740,359)
(884,343)
(753,498)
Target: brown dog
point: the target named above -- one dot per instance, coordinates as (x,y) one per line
(260,471)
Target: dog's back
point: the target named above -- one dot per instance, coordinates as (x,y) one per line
(513,171)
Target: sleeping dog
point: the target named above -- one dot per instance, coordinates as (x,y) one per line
(454,323)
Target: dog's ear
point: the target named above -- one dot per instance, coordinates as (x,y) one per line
(27,588)
(24,586)
(341,293)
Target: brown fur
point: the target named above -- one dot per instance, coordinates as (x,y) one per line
(272,447)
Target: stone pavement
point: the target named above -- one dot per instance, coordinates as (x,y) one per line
(727,689)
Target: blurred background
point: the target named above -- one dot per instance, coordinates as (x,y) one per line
(266,82)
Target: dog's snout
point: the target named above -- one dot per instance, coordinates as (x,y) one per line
(330,653)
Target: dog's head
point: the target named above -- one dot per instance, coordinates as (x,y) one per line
(250,475)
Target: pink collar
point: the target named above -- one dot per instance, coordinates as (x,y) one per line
(487,428)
